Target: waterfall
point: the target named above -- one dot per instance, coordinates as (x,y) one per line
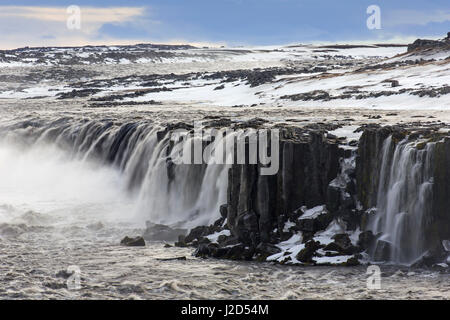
(403,200)
(179,195)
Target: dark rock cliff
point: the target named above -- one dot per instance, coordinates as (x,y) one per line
(308,163)
(262,211)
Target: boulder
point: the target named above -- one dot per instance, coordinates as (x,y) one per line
(266,249)
(133,242)
(351,262)
(342,244)
(197,233)
(305,255)
(316,222)
(239,252)
(366,239)
(202,251)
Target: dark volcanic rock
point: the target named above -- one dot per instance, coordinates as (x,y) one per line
(305,255)
(133,242)
(421,44)
(267,249)
(197,233)
(308,162)
(366,239)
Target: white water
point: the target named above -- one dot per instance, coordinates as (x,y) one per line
(120,173)
(404,198)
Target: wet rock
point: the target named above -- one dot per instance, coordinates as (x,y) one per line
(202,251)
(435,255)
(133,242)
(318,221)
(305,255)
(183,258)
(266,249)
(240,252)
(342,239)
(228,241)
(351,262)
(197,233)
(366,239)
(382,251)
(341,244)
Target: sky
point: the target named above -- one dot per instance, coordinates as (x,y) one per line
(218,22)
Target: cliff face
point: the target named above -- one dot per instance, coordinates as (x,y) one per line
(383,197)
(385,200)
(404,173)
(256,202)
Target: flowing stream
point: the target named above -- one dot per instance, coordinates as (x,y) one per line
(404,199)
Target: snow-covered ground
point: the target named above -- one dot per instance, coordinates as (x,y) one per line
(307,77)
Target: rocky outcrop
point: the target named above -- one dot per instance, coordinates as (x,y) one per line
(439,222)
(133,242)
(308,163)
(343,191)
(422,44)
(407,179)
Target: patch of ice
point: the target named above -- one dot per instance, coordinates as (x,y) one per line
(289,248)
(325,237)
(215,236)
(331,260)
(313,212)
(288,225)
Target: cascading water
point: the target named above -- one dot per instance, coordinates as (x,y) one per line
(179,195)
(403,201)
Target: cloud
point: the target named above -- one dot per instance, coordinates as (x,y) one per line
(60,14)
(47,26)
(415,17)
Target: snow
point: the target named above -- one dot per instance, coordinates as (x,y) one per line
(288,224)
(215,236)
(347,132)
(291,247)
(312,213)
(338,79)
(325,237)
(331,260)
